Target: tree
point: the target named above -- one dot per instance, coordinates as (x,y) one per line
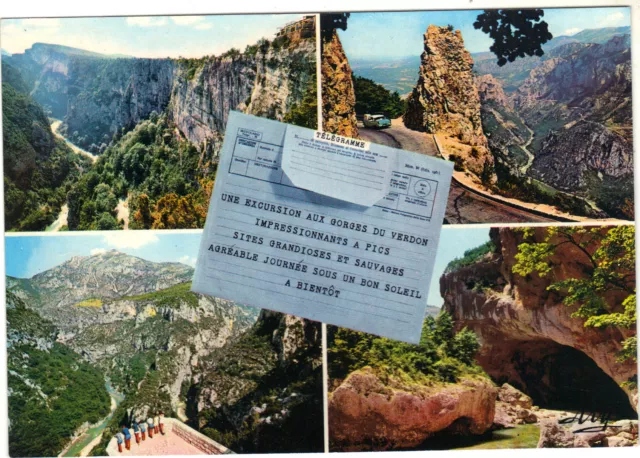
(332,21)
(305,114)
(607,258)
(515,33)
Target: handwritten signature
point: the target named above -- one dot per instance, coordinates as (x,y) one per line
(595,417)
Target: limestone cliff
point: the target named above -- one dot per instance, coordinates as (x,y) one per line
(338,96)
(98,95)
(446,101)
(529,338)
(264,82)
(366,413)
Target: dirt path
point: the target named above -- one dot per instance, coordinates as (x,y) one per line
(61,220)
(122,210)
(55,126)
(464,206)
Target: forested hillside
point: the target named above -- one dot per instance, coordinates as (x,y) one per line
(52,391)
(38,168)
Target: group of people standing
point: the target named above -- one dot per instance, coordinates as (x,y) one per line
(154,425)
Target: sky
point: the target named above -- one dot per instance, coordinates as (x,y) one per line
(399,34)
(29,255)
(454,241)
(151,36)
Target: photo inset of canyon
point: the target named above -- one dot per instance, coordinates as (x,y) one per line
(113,129)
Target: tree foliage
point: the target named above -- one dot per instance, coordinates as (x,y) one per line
(442,354)
(372,98)
(470,256)
(164,177)
(53,391)
(38,168)
(305,114)
(607,260)
(515,33)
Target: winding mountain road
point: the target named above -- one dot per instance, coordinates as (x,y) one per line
(464,205)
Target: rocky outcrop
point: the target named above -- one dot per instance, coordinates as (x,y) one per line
(491,90)
(513,407)
(266,83)
(266,381)
(579,103)
(530,338)
(617,434)
(106,95)
(506,132)
(570,154)
(59,294)
(445,99)
(338,96)
(366,413)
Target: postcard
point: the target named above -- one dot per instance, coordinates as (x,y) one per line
(272,244)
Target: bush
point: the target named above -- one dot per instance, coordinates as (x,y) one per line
(470,256)
(442,355)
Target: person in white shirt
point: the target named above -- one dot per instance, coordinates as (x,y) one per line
(161,422)
(120,439)
(150,423)
(156,420)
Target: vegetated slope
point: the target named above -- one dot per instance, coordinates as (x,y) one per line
(38,168)
(166,348)
(132,321)
(372,98)
(52,391)
(262,393)
(166,180)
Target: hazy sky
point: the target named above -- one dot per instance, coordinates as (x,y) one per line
(153,36)
(393,35)
(29,255)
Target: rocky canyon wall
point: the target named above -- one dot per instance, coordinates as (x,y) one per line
(529,338)
(338,94)
(99,95)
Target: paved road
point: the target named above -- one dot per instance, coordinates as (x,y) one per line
(463,206)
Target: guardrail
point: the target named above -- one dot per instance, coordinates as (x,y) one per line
(187,434)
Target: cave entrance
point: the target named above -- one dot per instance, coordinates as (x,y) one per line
(563,378)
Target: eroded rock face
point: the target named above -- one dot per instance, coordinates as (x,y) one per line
(592,147)
(491,90)
(619,434)
(338,96)
(445,99)
(365,413)
(529,338)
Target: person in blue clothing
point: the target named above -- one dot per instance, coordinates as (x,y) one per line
(136,430)
(127,437)
(143,428)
